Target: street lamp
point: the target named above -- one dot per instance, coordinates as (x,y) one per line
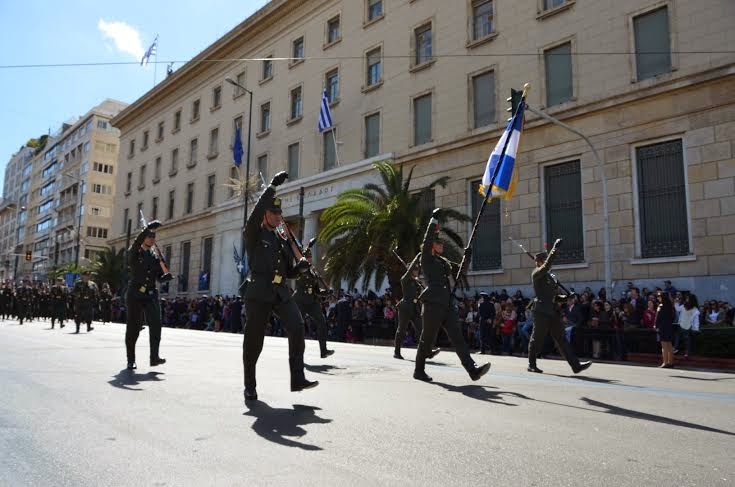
(79,224)
(247,167)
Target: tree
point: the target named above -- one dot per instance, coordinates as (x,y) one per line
(109,267)
(365,225)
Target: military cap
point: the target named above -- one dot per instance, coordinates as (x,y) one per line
(275,206)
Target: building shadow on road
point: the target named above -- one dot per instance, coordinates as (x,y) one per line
(323,369)
(710,379)
(629,413)
(125,379)
(483,393)
(280,425)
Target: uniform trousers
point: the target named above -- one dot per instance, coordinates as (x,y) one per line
(140,311)
(258,313)
(314,310)
(550,324)
(407,313)
(442,316)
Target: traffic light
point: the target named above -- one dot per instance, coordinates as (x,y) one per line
(29,256)
(516,97)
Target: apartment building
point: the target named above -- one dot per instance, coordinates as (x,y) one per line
(424,82)
(13,213)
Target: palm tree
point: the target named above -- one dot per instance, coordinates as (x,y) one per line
(109,267)
(365,226)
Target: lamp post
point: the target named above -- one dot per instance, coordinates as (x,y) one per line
(247,168)
(79,221)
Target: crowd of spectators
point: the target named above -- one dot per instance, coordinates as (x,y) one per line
(495,322)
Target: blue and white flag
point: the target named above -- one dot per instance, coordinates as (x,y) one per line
(237,148)
(325,116)
(501,175)
(150,52)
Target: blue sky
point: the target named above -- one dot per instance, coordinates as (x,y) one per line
(85,31)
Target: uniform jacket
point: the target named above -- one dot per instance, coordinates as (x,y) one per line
(269,256)
(410,286)
(545,286)
(144,268)
(307,289)
(436,269)
(86,294)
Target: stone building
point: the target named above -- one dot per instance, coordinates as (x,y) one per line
(424,82)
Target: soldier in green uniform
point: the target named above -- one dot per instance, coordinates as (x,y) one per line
(86,295)
(547,315)
(106,303)
(307,297)
(271,263)
(408,307)
(439,307)
(24,301)
(144,268)
(59,296)
(6,298)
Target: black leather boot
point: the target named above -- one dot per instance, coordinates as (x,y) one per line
(157,361)
(477,372)
(250,394)
(298,380)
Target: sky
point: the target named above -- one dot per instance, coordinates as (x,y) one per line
(34,100)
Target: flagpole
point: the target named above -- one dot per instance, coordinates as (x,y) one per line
(463,263)
(155,63)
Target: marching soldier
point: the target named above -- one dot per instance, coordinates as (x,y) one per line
(439,308)
(6,298)
(307,297)
(271,262)
(24,301)
(408,307)
(86,294)
(106,303)
(547,315)
(144,264)
(59,297)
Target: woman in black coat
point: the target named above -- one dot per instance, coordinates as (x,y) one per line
(665,328)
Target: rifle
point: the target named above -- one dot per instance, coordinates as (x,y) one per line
(167,276)
(558,283)
(299,252)
(418,282)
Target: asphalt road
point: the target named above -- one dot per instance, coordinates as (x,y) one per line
(70,415)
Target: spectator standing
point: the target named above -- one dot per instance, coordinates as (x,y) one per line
(665,329)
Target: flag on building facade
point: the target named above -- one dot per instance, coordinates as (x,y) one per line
(150,52)
(501,171)
(237,148)
(325,116)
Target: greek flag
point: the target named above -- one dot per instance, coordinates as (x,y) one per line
(325,116)
(150,52)
(499,180)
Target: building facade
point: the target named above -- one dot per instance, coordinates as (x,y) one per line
(65,194)
(13,214)
(424,82)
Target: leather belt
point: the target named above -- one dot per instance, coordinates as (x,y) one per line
(277,279)
(415,301)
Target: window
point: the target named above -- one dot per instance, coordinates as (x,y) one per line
(240,79)
(483,99)
(157,170)
(206,274)
(422,120)
(141,177)
(482,19)
(330,152)
(154,208)
(298,49)
(43,226)
(265,117)
(184,276)
(293,161)
(86,147)
(171,204)
(195,110)
(174,161)
(210,190)
(333,31)
(662,209)
(129,182)
(374,9)
(331,85)
(374,74)
(214,142)
(193,149)
(137,215)
(96,232)
(652,43)
(549,4)
(234,177)
(423,42)
(167,255)
(145,140)
(216,97)
(189,198)
(103,168)
(563,210)
(372,135)
(267,68)
(131,151)
(296,103)
(177,121)
(263,166)
(102,124)
(126,217)
(159,137)
(558,61)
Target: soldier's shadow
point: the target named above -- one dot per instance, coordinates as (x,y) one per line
(483,393)
(322,369)
(125,379)
(280,425)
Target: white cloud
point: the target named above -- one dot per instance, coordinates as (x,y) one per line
(126,38)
